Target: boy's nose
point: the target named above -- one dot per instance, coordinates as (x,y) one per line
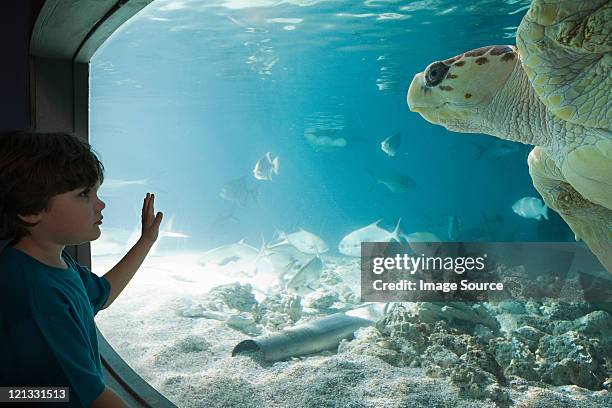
(101,204)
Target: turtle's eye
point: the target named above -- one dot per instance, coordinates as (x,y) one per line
(435,73)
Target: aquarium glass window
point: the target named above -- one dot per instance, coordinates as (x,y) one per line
(269,131)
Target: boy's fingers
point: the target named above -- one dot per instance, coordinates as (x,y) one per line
(150,209)
(148,212)
(144,204)
(157,221)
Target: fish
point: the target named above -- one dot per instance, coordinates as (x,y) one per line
(396,182)
(313,337)
(281,256)
(530,207)
(497,148)
(238,191)
(266,166)
(421,236)
(227,254)
(272,268)
(351,244)
(304,241)
(306,276)
(391,144)
(453,227)
(423,243)
(325,143)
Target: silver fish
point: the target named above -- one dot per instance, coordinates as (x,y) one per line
(307,275)
(530,207)
(226,254)
(396,182)
(266,166)
(281,256)
(304,241)
(391,144)
(351,244)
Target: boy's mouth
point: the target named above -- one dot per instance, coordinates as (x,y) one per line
(99,221)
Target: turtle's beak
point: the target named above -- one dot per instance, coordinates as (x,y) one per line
(415,92)
(421,100)
(422,97)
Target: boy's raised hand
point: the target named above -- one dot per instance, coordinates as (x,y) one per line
(150,221)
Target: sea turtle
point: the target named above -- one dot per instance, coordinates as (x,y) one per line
(553,90)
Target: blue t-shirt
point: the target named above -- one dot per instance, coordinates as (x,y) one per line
(47,330)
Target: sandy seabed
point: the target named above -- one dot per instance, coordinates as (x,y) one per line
(188,359)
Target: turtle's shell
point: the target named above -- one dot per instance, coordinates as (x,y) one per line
(566,49)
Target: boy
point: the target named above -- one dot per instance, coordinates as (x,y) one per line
(48,199)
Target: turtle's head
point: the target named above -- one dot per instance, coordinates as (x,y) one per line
(451,92)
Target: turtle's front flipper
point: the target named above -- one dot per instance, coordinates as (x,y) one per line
(590,222)
(565,47)
(588,169)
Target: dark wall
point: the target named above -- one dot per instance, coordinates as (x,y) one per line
(16,21)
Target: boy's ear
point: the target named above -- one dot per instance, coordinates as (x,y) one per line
(30,218)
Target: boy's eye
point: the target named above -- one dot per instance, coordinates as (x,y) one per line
(84,193)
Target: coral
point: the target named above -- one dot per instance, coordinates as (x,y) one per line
(509,306)
(369,341)
(437,359)
(529,336)
(565,310)
(475,382)
(245,323)
(197,310)
(321,300)
(456,343)
(279,311)
(483,334)
(595,324)
(570,358)
(533,308)
(346,295)
(399,326)
(233,296)
(453,341)
(330,277)
(538,322)
(484,360)
(515,358)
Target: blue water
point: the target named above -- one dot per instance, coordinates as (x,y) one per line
(189,95)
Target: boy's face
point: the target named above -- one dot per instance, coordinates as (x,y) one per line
(73,217)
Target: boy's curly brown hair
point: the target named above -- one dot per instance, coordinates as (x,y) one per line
(36,166)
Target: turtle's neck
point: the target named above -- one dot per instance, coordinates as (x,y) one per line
(516,113)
